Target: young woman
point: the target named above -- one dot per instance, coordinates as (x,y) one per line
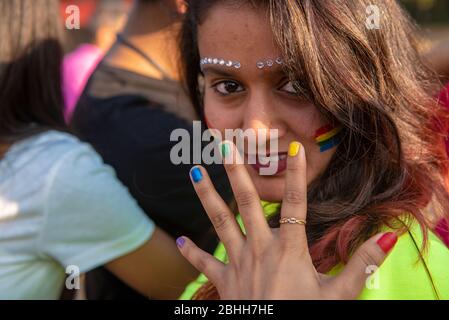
(361,151)
(61,207)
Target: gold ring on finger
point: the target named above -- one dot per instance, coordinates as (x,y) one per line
(292,221)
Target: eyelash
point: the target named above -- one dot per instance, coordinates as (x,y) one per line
(215,87)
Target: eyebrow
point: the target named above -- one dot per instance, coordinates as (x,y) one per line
(217,70)
(220,71)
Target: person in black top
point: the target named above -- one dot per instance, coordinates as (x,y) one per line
(127,111)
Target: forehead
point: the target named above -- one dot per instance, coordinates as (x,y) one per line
(241,33)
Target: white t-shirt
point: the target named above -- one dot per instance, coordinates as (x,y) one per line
(61,206)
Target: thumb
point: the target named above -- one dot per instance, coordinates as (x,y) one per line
(368,257)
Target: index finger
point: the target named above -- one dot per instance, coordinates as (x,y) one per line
(221,217)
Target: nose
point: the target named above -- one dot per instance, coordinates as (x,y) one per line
(260,113)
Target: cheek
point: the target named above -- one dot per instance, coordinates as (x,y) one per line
(303,126)
(303,123)
(219,117)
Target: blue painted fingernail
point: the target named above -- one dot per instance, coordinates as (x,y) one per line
(180,242)
(196,174)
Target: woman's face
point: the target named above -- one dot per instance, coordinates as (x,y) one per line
(252,98)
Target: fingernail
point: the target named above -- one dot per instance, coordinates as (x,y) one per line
(180,242)
(225,149)
(196,174)
(387,241)
(294,148)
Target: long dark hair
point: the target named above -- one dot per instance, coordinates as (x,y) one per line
(30,69)
(392,159)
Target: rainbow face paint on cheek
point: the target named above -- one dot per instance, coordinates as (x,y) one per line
(328,137)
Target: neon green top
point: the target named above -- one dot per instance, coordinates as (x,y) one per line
(402,276)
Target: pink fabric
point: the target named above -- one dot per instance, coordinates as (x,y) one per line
(77,68)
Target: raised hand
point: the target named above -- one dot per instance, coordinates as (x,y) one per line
(269,263)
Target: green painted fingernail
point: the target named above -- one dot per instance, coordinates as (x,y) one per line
(225,149)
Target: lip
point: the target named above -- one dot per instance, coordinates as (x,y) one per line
(281,161)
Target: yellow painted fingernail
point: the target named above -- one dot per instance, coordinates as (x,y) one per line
(294,148)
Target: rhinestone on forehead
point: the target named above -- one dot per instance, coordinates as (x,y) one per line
(269,63)
(236,64)
(220,62)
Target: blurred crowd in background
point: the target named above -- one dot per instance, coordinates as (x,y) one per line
(101,20)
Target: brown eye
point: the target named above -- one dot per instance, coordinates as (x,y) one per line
(228,87)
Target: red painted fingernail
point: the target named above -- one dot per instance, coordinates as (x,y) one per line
(387,241)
